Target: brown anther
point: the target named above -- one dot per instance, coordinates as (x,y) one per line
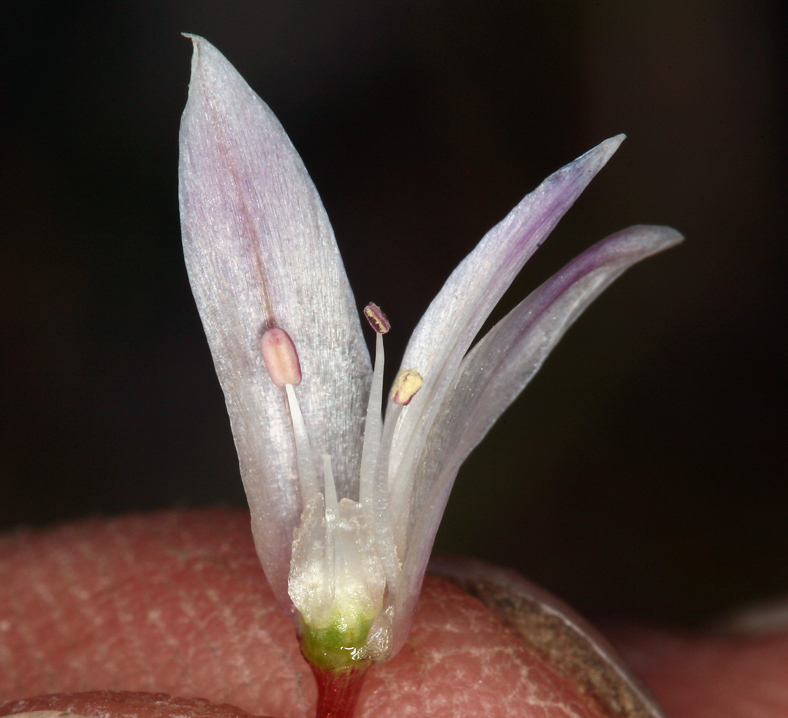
(376,318)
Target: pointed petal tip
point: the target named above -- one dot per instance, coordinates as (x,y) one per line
(197,40)
(207,61)
(607,148)
(585,167)
(658,237)
(197,43)
(670,236)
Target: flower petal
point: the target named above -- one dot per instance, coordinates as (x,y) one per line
(458,312)
(260,252)
(500,366)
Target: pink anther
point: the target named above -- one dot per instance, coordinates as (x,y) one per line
(280,357)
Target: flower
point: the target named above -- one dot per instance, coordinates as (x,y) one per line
(344,505)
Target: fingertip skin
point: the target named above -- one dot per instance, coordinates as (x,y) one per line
(166,602)
(176,602)
(119,704)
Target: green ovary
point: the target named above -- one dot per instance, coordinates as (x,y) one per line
(339,646)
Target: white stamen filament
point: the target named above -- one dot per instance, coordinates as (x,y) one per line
(374,468)
(379,518)
(373,427)
(332,522)
(304,461)
(330,488)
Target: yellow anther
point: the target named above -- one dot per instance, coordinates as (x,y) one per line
(406,385)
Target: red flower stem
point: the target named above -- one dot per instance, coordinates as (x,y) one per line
(338,691)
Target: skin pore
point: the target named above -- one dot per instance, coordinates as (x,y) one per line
(176,603)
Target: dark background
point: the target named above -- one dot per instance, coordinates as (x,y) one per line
(644,470)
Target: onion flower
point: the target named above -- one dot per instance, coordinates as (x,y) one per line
(345,503)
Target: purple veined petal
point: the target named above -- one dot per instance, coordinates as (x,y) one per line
(260,252)
(496,371)
(500,366)
(456,315)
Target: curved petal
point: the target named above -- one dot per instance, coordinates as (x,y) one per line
(458,312)
(499,367)
(260,252)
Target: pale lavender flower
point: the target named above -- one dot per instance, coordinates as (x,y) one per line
(345,506)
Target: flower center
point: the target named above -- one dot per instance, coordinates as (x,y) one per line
(343,551)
